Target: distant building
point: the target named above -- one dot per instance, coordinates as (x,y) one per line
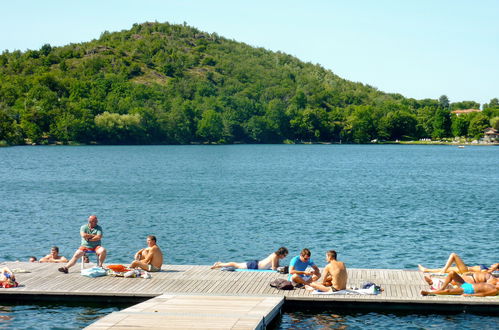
(465,111)
(491,135)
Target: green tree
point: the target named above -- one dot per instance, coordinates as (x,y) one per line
(443,102)
(460,125)
(210,127)
(478,124)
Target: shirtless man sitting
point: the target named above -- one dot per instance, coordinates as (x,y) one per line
(54,256)
(149,258)
(488,287)
(270,262)
(460,266)
(335,275)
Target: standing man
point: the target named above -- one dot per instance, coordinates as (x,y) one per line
(91,235)
(298,273)
(149,258)
(54,256)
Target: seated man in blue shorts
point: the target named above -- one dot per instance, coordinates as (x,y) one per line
(298,273)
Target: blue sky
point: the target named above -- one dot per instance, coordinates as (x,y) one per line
(418,48)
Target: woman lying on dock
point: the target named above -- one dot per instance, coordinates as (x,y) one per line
(491,288)
(460,266)
(271,262)
(475,277)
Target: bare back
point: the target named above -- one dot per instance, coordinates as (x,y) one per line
(335,275)
(153,256)
(271,262)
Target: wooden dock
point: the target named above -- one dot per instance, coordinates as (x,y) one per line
(194,311)
(401,288)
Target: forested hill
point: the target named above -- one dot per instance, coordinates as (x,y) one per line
(173,84)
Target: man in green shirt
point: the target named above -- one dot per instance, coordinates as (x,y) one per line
(91,235)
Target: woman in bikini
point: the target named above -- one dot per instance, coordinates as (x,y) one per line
(460,266)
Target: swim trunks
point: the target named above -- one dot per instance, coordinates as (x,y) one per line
(253,264)
(468,288)
(154,268)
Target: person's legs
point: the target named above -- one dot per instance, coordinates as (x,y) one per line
(454,258)
(300,280)
(78,254)
(320,287)
(453,276)
(237,265)
(139,264)
(454,291)
(101,255)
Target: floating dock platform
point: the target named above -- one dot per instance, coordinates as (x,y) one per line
(183,285)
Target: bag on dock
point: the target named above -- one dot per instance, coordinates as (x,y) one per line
(282,284)
(283,269)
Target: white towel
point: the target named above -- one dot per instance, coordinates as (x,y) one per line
(348,291)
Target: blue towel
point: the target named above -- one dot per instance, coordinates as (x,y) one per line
(256,270)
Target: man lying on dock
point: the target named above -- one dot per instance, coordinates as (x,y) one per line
(460,266)
(54,256)
(298,273)
(91,235)
(149,258)
(334,275)
(479,289)
(270,262)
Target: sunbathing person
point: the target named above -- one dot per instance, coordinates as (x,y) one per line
(149,258)
(460,266)
(7,278)
(475,277)
(335,275)
(54,256)
(270,262)
(32,259)
(461,286)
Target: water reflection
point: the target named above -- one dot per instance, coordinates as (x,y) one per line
(335,320)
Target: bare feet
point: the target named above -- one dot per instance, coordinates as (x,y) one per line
(428,280)
(421,268)
(424,293)
(215,265)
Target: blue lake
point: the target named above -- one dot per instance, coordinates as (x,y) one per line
(379,206)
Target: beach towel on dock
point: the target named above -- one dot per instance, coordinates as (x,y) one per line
(348,291)
(255,270)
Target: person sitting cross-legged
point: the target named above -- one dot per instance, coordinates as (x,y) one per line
(298,273)
(149,258)
(334,275)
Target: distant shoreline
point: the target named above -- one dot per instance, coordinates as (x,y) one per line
(294,143)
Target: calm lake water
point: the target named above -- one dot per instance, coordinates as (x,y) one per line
(379,206)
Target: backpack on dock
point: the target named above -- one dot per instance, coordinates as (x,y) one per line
(282,284)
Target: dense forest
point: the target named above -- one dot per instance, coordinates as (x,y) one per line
(173,84)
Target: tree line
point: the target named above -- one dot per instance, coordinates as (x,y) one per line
(173,84)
